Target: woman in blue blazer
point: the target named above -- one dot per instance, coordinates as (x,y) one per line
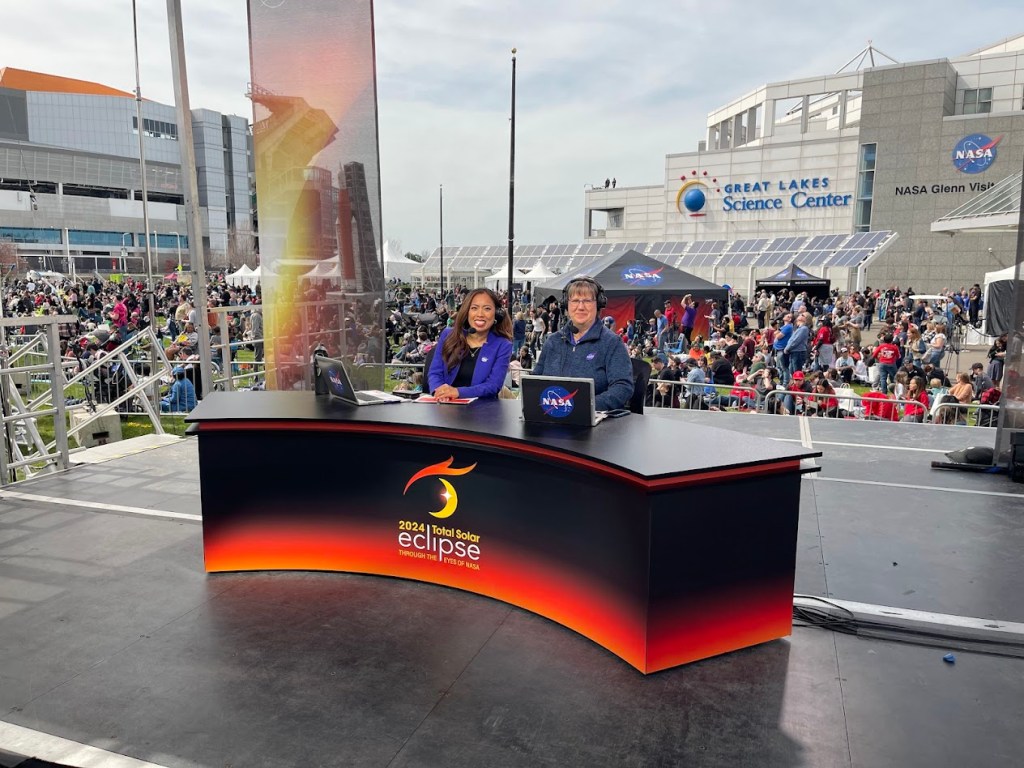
(471,357)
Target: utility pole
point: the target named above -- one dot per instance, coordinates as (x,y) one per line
(512,184)
(188,167)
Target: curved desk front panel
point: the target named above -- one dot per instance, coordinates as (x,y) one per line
(649,567)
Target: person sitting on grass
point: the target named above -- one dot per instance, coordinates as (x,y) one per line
(182,396)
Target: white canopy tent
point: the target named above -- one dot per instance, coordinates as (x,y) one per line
(499,279)
(241,277)
(539,273)
(325,270)
(396,264)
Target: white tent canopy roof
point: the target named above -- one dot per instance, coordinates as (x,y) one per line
(396,264)
(540,272)
(1010,273)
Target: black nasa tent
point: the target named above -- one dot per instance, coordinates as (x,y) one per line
(797,279)
(636,285)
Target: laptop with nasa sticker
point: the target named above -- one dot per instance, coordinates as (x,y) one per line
(559,400)
(338,382)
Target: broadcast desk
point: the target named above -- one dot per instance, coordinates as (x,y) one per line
(662,542)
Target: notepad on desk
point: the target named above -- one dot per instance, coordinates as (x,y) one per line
(453,401)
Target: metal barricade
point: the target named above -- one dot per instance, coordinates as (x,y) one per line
(699,395)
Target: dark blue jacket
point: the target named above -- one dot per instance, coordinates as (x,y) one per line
(600,355)
(488,375)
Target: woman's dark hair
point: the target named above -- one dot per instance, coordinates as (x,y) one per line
(455,347)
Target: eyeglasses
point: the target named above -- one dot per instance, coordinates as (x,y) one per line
(581,302)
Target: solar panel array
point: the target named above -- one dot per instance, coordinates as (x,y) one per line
(703,253)
(739,253)
(781,251)
(820,249)
(817,252)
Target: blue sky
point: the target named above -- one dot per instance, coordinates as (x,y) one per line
(605,88)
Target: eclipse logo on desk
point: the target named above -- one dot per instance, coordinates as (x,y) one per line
(451,498)
(557,401)
(439,543)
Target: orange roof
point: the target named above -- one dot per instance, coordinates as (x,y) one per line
(23,80)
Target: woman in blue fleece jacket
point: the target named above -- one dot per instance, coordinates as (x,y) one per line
(584,348)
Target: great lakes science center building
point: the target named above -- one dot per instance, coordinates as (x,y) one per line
(842,174)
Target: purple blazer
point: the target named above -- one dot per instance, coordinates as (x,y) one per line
(488,376)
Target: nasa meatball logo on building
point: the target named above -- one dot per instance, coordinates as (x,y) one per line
(557,401)
(975,153)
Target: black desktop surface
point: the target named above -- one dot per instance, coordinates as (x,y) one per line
(643,445)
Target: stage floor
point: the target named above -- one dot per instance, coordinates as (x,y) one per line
(111,635)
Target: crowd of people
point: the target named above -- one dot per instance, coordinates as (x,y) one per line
(107,313)
(880,354)
(876,354)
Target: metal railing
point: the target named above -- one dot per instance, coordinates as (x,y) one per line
(41,388)
(707,396)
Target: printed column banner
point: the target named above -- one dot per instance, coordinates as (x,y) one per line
(314,100)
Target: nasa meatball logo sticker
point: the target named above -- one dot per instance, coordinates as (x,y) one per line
(975,153)
(557,402)
(337,386)
(419,540)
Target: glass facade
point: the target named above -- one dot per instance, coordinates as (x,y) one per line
(44,236)
(30,235)
(865,187)
(156,129)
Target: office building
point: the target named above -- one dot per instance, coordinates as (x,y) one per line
(70,181)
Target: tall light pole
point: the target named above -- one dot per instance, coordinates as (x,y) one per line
(512,183)
(193,219)
(440,226)
(142,152)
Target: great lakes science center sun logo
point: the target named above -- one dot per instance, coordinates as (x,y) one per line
(692,197)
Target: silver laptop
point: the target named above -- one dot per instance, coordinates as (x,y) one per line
(338,383)
(559,400)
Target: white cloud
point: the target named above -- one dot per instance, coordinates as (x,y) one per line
(605,87)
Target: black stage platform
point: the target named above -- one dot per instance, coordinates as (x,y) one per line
(111,635)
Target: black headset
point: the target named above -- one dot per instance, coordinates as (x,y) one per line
(602,300)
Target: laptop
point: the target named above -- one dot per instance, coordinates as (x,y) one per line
(559,400)
(338,383)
